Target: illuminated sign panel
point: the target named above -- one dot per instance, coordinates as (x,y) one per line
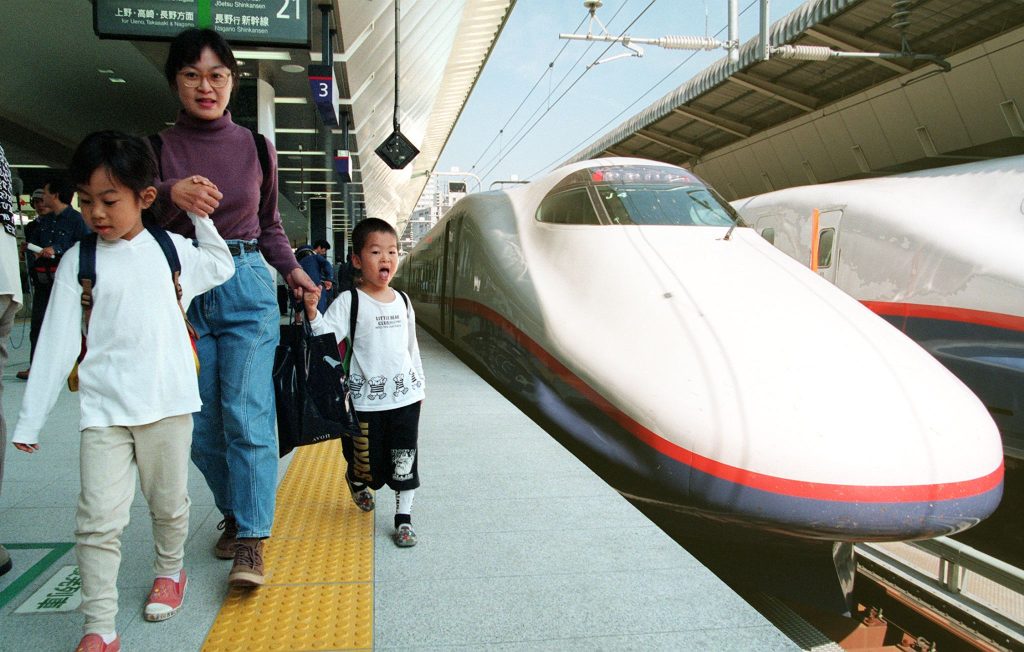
(242,22)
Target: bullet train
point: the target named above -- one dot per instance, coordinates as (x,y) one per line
(937,253)
(693,366)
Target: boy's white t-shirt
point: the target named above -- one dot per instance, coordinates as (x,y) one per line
(139,367)
(386,371)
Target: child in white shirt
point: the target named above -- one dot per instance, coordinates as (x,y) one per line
(386,375)
(138,385)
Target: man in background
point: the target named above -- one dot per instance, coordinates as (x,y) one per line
(55,230)
(314,261)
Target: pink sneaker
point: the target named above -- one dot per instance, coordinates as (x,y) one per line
(94,643)
(165,598)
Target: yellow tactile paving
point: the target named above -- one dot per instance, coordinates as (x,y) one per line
(319,566)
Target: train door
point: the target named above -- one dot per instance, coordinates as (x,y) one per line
(449,274)
(828,244)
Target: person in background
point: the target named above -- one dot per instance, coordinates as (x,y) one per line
(10,303)
(133,416)
(314,261)
(387,367)
(57,226)
(211,166)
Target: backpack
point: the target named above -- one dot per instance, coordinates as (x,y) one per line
(157,143)
(87,279)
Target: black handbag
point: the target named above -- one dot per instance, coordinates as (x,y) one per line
(311,388)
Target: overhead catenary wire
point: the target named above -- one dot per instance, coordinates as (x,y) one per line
(631,105)
(544,74)
(499,155)
(564,93)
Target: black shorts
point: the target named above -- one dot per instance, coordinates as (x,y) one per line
(386,453)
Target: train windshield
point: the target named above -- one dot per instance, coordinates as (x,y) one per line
(635,194)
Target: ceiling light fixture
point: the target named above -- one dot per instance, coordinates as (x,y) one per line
(263,55)
(290,100)
(292,67)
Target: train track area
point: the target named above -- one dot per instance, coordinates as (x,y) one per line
(930,596)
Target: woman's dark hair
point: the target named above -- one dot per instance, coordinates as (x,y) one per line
(126,158)
(187,47)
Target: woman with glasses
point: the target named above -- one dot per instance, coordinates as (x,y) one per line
(211,166)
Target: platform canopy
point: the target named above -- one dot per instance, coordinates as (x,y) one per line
(62,82)
(759,125)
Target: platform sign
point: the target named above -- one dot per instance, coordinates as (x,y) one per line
(62,592)
(242,22)
(324,88)
(343,166)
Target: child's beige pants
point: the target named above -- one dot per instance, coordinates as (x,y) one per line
(109,457)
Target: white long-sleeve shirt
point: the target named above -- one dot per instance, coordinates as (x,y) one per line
(386,371)
(139,367)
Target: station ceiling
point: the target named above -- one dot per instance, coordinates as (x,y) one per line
(58,88)
(759,125)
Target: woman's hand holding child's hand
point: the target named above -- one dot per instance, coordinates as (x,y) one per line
(27,448)
(196,194)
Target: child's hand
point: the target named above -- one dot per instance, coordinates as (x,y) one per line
(27,448)
(310,299)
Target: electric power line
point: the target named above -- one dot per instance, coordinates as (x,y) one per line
(571,86)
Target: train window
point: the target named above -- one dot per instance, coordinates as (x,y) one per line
(636,194)
(572,206)
(768,234)
(825,241)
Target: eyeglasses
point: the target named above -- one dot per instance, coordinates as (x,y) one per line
(192,79)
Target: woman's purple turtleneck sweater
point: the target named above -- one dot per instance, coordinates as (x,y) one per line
(225,153)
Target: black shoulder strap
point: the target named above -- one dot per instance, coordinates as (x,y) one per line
(167,246)
(404,298)
(87,259)
(157,143)
(353,312)
(264,155)
(87,275)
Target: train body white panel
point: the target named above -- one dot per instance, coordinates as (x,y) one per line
(692,364)
(938,253)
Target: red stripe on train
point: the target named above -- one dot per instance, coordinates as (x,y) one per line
(947,313)
(795,488)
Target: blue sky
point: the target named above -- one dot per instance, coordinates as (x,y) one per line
(570,106)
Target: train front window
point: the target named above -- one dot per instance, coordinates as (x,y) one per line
(640,195)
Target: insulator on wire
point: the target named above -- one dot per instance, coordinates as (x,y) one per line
(900,18)
(803,52)
(688,43)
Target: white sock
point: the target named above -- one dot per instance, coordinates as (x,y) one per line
(403,501)
(109,638)
(174,578)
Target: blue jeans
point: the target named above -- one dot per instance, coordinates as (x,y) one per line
(234,443)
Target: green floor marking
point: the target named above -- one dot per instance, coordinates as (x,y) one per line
(57,550)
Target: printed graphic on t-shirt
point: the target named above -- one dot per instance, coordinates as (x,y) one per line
(400,387)
(355,383)
(401,462)
(389,321)
(377,385)
(414,379)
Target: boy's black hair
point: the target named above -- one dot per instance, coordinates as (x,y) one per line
(187,47)
(61,186)
(365,228)
(127,158)
(322,244)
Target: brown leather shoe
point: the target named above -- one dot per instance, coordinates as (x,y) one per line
(22,375)
(247,570)
(225,547)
